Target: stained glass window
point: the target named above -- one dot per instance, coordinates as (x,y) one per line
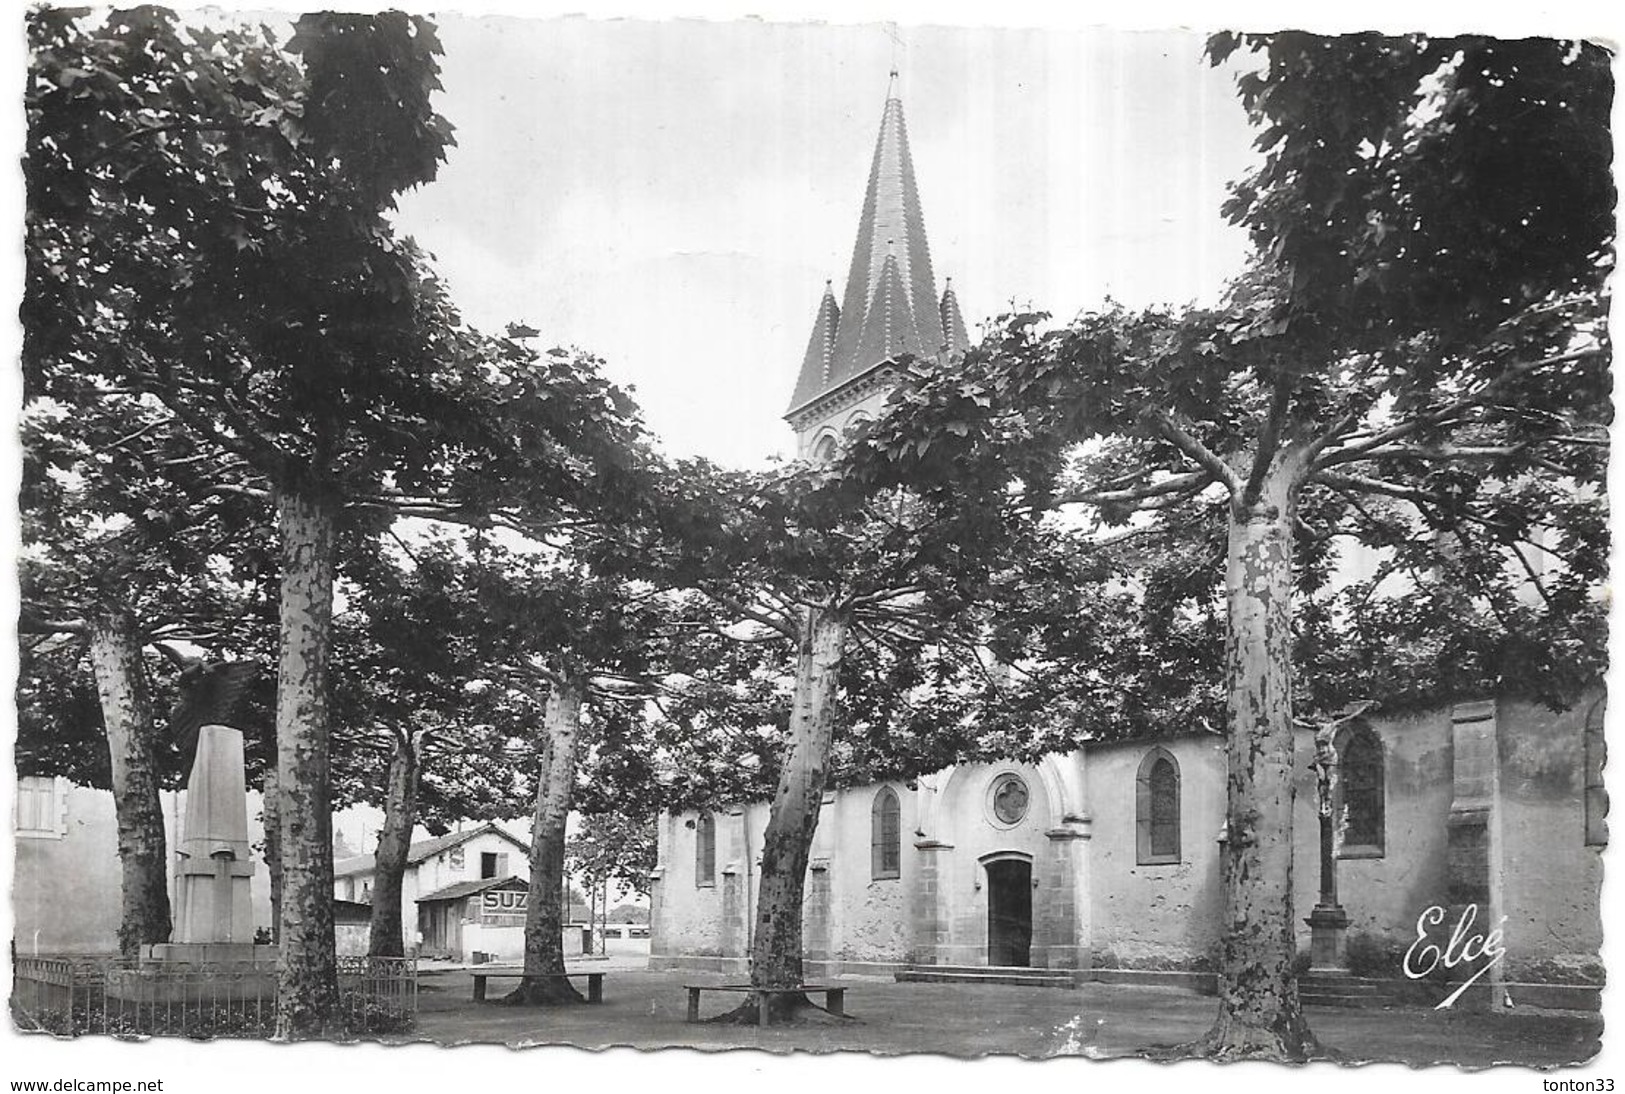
(705,850)
(885,835)
(1156,807)
(1360,792)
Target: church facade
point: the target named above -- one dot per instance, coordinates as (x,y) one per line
(1104,864)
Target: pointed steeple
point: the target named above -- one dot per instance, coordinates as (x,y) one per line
(955,340)
(815,364)
(889,328)
(890,307)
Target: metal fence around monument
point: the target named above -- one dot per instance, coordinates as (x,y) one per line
(127,997)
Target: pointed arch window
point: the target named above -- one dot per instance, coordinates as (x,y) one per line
(1596,754)
(885,836)
(1156,809)
(705,850)
(824,449)
(1359,802)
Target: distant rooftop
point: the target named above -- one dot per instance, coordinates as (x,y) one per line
(425,849)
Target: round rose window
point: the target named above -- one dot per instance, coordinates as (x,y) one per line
(1009,799)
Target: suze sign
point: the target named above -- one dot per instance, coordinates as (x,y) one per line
(503,902)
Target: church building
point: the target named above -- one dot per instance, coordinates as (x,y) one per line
(1104,864)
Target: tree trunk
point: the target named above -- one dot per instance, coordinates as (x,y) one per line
(121,681)
(555,782)
(307,964)
(386,938)
(793,819)
(271,821)
(1259,1012)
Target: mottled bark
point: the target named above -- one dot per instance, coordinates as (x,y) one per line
(1259,1011)
(555,783)
(121,682)
(793,819)
(271,822)
(307,965)
(386,937)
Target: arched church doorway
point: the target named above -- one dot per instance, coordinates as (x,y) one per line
(1009,912)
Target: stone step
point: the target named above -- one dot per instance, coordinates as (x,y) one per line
(1318,999)
(1178,979)
(1341,985)
(985,974)
(1019,969)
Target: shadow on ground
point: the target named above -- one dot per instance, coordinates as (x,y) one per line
(644,1009)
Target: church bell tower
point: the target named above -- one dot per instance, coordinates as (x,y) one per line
(890,308)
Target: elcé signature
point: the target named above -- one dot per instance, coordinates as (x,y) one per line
(1465,946)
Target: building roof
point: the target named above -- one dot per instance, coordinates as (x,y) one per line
(425,849)
(352,911)
(891,307)
(459,889)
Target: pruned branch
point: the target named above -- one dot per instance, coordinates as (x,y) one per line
(1186,485)
(782,626)
(28,623)
(1203,456)
(1269,439)
(1360,447)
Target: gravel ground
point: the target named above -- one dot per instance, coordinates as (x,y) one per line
(644,1009)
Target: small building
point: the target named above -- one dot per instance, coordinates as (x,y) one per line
(477,921)
(352,927)
(485,853)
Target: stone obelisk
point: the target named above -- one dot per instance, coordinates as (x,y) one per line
(216,864)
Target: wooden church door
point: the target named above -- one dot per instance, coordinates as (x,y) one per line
(1009,912)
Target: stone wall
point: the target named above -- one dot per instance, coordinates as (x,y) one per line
(1383,896)
(1484,804)
(868,918)
(966,823)
(1483,801)
(1155,916)
(690,920)
(1551,880)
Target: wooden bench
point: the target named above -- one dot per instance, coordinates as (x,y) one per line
(595,981)
(834,998)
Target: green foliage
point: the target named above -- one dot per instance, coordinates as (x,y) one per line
(614,847)
(207,228)
(1419,348)
(1433,187)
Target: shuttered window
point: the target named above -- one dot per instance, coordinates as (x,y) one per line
(39,808)
(1596,804)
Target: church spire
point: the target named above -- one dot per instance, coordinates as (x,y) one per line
(890,307)
(815,364)
(954,338)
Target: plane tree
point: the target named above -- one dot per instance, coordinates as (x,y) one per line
(554,663)
(856,587)
(128,557)
(1416,362)
(208,226)
(408,739)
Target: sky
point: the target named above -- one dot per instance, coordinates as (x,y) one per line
(671,195)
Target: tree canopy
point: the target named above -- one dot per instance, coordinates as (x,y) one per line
(1416,361)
